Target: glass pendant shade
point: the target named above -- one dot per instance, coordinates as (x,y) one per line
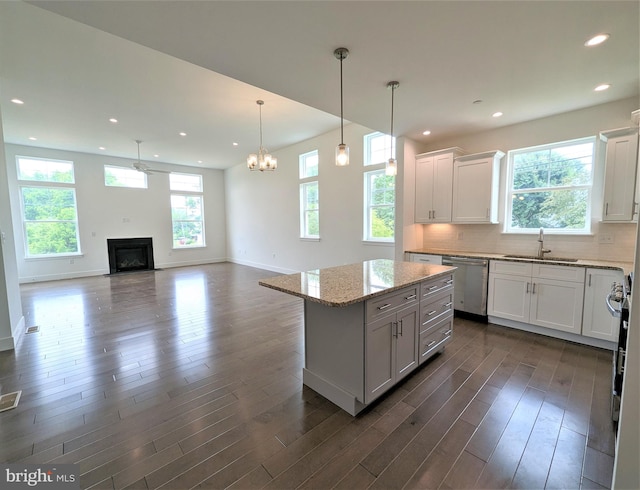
(392,167)
(342,155)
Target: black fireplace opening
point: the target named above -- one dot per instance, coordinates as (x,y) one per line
(130,254)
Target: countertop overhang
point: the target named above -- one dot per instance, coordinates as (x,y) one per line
(349,284)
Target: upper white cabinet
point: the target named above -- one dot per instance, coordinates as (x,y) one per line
(434,185)
(476,181)
(620,174)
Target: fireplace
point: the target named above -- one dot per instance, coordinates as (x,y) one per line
(130,254)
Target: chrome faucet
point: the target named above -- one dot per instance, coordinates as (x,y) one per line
(541,249)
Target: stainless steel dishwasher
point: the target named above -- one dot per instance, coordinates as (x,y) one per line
(470,284)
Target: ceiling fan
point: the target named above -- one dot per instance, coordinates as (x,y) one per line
(141,167)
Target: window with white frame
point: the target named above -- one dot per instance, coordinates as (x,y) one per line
(378,148)
(549,187)
(380,210)
(309,196)
(49,209)
(124,177)
(187,210)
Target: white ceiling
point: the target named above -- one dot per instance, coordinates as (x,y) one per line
(162,67)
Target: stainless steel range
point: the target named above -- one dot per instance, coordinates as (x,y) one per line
(618,303)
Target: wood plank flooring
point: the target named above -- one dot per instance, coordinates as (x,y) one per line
(191,378)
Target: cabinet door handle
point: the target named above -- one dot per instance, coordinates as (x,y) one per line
(589,280)
(533,291)
(606,209)
(410,297)
(450,281)
(448,332)
(487,213)
(527,292)
(429,313)
(448,305)
(434,214)
(385,306)
(401,329)
(433,288)
(394,329)
(431,343)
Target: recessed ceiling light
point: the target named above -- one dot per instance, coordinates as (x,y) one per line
(426,132)
(496,114)
(182,133)
(595,40)
(33,138)
(602,87)
(101,148)
(235,144)
(17,101)
(113,120)
(199,161)
(156,156)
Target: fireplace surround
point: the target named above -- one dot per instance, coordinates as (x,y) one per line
(130,254)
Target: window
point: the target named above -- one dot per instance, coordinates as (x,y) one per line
(309,200)
(124,177)
(549,187)
(380,196)
(377,148)
(49,211)
(187,211)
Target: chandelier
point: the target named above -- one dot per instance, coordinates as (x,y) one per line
(262,160)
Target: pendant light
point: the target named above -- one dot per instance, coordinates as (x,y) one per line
(262,160)
(342,150)
(391,167)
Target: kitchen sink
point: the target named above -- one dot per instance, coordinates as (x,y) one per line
(535,257)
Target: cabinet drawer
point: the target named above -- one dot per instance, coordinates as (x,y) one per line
(431,288)
(559,272)
(513,268)
(433,340)
(435,308)
(391,302)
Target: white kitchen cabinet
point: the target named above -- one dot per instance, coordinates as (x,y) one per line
(391,350)
(476,181)
(425,258)
(620,193)
(539,294)
(434,185)
(597,321)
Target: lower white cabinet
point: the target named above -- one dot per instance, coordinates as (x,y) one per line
(597,322)
(391,350)
(539,294)
(425,258)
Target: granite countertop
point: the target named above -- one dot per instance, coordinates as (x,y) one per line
(625,267)
(349,284)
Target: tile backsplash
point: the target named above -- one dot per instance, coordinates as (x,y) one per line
(608,242)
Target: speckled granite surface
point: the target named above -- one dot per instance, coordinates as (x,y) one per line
(626,267)
(349,284)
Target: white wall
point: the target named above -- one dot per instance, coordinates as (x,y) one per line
(567,126)
(263,210)
(112,212)
(11,317)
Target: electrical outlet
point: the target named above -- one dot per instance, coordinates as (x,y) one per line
(460,235)
(605,238)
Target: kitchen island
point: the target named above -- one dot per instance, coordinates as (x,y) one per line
(368,325)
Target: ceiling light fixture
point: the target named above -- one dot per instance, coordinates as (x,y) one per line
(497,114)
(391,168)
(17,101)
(33,138)
(595,40)
(426,132)
(113,120)
(182,133)
(600,88)
(262,160)
(342,150)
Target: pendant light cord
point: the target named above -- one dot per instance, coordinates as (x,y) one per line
(341,106)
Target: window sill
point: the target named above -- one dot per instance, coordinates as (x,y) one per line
(379,242)
(36,258)
(189,248)
(309,239)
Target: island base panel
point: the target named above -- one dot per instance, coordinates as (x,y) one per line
(345,400)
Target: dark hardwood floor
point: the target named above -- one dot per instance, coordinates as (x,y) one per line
(191,378)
